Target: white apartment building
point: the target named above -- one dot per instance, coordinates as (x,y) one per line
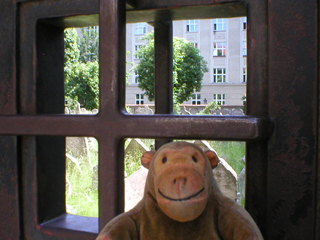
(222,43)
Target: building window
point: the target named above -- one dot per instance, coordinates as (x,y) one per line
(219,99)
(219,49)
(196,99)
(140,28)
(219,75)
(136,50)
(192,25)
(244,48)
(244,23)
(244,75)
(139,99)
(195,45)
(220,24)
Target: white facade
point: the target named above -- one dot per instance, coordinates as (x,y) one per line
(222,43)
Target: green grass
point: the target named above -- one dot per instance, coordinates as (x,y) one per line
(232,152)
(132,161)
(81,185)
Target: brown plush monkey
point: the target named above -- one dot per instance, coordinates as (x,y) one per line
(182,201)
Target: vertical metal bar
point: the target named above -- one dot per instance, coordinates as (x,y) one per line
(257,104)
(293,86)
(111,180)
(163,47)
(317,229)
(29,186)
(112,82)
(9,174)
(112,57)
(27,60)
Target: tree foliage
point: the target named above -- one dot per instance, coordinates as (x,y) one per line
(188,68)
(81,75)
(83,84)
(89,44)
(71,46)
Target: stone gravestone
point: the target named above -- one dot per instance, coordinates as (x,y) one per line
(136,146)
(76,146)
(144,110)
(242,184)
(223,173)
(134,184)
(134,187)
(237,112)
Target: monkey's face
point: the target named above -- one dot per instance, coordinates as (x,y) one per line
(180,182)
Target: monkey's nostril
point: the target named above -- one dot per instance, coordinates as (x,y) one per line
(181,180)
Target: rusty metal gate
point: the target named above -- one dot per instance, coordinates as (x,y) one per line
(281,127)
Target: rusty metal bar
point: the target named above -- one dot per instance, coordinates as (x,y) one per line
(10,180)
(154,10)
(112,95)
(163,57)
(294,104)
(257,104)
(231,128)
(163,67)
(238,128)
(112,58)
(111,179)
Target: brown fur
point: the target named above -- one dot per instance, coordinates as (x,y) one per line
(198,209)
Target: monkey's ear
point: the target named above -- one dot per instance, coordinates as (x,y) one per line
(213,158)
(146,158)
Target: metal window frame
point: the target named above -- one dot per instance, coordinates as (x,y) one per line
(43,125)
(40,23)
(282,170)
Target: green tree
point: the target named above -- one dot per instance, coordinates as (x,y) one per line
(89,44)
(71,47)
(81,78)
(82,84)
(188,68)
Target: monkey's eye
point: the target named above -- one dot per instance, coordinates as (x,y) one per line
(194,159)
(164,160)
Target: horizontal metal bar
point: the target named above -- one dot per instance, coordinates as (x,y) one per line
(145,126)
(189,11)
(198,127)
(55,125)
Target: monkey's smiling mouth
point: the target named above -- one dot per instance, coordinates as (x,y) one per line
(181,199)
